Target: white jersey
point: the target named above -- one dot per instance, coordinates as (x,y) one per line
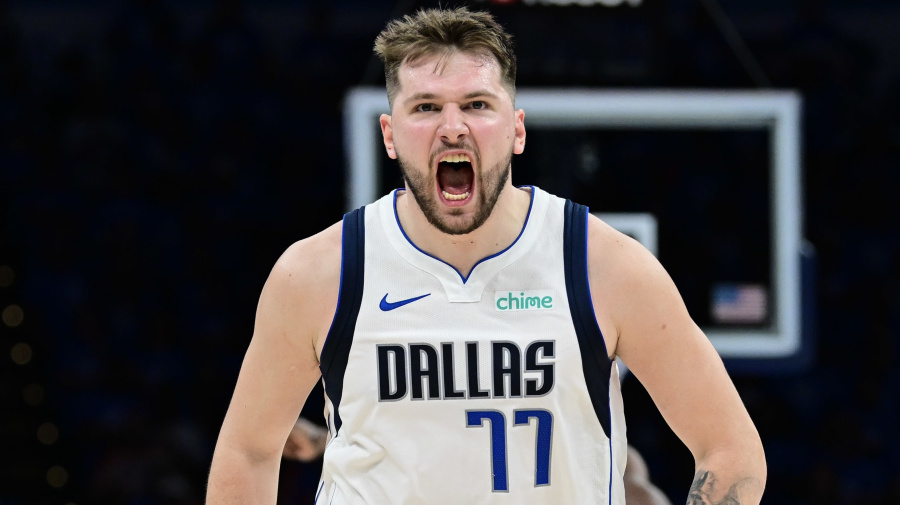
(491,388)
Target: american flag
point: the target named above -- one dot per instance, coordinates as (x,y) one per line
(740,303)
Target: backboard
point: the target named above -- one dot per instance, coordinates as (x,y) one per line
(718,171)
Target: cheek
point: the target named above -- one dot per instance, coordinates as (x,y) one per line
(410,140)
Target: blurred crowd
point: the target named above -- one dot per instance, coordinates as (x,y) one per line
(151,174)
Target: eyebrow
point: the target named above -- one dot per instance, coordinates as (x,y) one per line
(431,96)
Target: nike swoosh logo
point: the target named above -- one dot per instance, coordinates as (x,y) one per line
(386,305)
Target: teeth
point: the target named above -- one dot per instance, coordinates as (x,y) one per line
(456,158)
(450,196)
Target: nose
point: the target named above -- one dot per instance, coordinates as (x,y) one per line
(453,126)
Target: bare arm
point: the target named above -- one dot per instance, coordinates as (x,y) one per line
(279,369)
(645,322)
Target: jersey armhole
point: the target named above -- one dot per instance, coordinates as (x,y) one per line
(597,366)
(336,349)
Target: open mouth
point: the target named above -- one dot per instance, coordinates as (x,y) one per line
(455,177)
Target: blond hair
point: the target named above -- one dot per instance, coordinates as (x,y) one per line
(433,31)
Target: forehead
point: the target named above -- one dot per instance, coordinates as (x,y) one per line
(453,70)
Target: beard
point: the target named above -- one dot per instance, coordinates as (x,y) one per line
(488,186)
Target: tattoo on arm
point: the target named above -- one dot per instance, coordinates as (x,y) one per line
(703,487)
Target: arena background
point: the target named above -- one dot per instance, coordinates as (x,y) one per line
(156,158)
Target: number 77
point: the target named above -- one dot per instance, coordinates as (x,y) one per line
(475,418)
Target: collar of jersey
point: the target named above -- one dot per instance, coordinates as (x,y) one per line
(459,287)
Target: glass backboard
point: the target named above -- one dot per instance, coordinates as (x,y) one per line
(717,171)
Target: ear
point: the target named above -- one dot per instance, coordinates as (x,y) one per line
(519,144)
(387,134)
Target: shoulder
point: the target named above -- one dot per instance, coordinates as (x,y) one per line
(310,261)
(302,289)
(626,280)
(618,259)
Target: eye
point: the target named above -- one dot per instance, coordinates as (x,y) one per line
(478,105)
(426,107)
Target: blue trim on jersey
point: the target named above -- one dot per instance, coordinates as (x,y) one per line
(336,350)
(319,492)
(609,493)
(595,362)
(462,277)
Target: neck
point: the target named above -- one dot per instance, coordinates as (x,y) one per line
(462,252)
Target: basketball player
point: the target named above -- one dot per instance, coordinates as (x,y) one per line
(465,329)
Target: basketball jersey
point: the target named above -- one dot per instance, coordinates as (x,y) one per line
(491,388)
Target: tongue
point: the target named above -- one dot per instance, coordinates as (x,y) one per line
(455,180)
